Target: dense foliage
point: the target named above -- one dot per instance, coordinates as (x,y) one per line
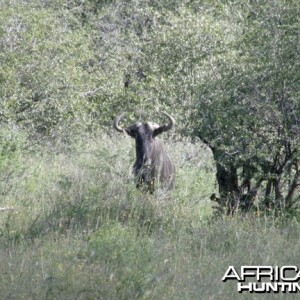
(228,72)
(72,224)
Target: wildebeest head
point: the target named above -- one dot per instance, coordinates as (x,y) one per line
(152,162)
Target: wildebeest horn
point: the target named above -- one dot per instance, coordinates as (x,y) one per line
(171,122)
(116,123)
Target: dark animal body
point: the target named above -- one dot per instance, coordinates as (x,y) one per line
(152,163)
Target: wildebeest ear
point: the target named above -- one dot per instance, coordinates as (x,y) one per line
(130,132)
(158,130)
(165,127)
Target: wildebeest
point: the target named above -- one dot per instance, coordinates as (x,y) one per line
(152,163)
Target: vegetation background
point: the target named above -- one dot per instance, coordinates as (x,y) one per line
(72,224)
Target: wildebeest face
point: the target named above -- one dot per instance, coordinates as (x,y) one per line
(144,135)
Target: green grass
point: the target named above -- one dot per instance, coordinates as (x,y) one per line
(80,229)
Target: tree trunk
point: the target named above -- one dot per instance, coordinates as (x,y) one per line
(228,187)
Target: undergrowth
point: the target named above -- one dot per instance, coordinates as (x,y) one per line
(76,227)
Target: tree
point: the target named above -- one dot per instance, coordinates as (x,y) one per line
(250,115)
(46,58)
(229,72)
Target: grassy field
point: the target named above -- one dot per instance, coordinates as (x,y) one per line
(78,228)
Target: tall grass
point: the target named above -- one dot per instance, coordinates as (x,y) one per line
(78,228)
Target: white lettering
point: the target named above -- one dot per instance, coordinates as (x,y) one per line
(244,272)
(276,273)
(268,287)
(276,279)
(283,275)
(228,274)
(266,271)
(241,287)
(296,287)
(285,286)
(271,286)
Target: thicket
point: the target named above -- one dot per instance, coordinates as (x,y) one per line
(227,71)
